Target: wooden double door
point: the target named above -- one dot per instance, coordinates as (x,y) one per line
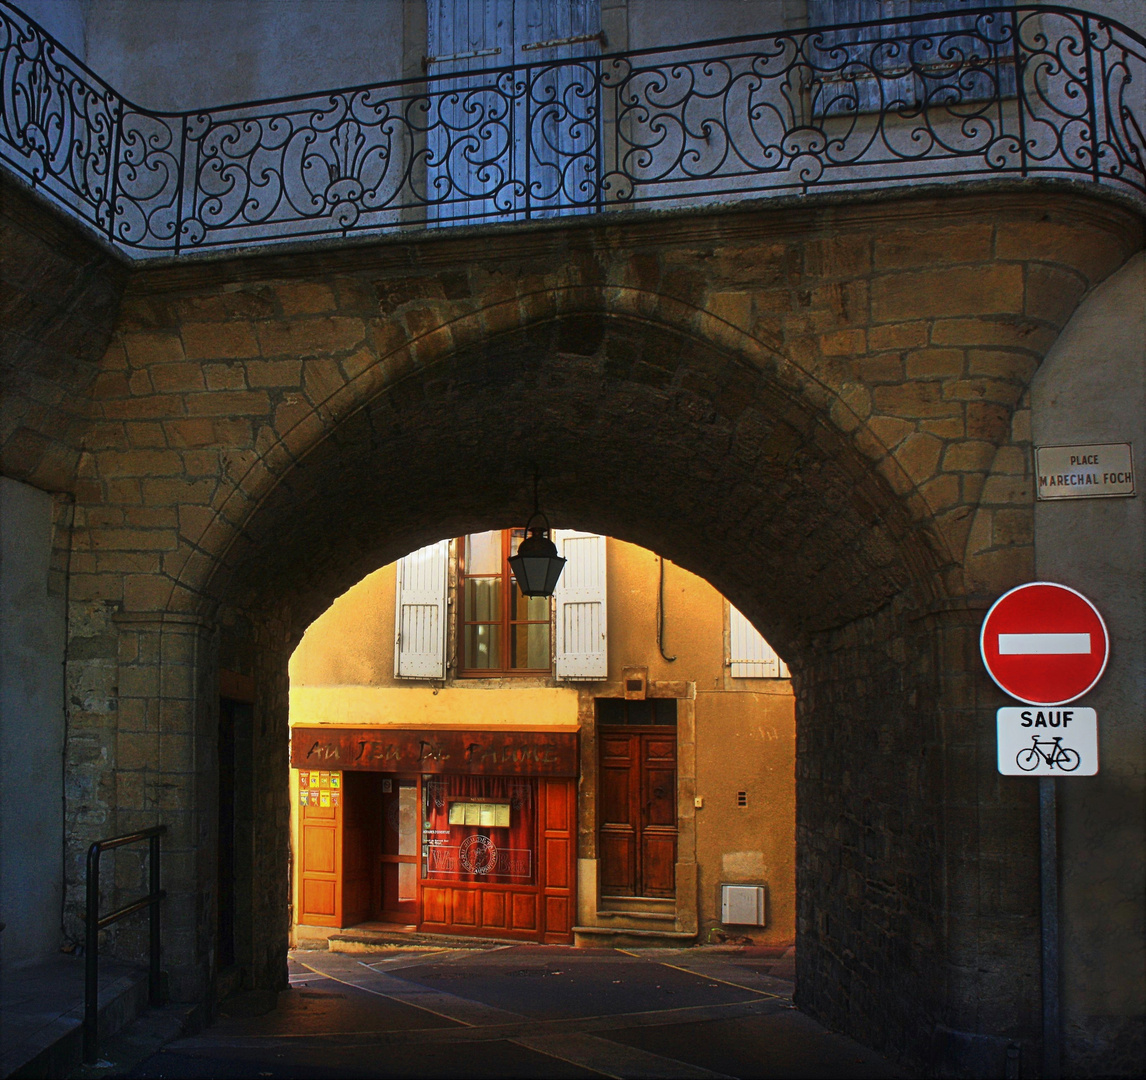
(637,829)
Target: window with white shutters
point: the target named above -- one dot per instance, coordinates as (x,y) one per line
(500,630)
(420,613)
(751,657)
(582,642)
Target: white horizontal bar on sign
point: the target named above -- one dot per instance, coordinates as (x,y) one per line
(1043,644)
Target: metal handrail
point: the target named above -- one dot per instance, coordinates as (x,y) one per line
(1009,91)
(95,923)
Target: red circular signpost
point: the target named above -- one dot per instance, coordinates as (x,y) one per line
(1044,644)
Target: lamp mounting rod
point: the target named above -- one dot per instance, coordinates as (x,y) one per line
(537,509)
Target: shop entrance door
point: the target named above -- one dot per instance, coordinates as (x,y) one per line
(637,808)
(400,849)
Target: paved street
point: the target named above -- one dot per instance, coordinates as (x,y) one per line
(524,1011)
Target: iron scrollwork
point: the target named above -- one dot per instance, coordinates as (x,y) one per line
(57,120)
(1027,91)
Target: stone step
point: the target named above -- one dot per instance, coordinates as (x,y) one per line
(613,936)
(613,913)
(42,1009)
(382,941)
(643,904)
(122,1053)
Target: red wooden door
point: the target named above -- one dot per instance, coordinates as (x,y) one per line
(558,853)
(529,890)
(657,867)
(637,812)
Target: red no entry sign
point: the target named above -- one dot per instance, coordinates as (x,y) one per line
(1044,644)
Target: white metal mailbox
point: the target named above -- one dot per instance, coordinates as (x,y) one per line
(742,905)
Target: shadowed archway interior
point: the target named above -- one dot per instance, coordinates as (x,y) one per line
(637,431)
(661,439)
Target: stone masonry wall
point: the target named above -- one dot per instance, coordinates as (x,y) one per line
(820,409)
(919,863)
(59,296)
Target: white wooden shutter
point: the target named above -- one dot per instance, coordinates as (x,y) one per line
(420,613)
(582,643)
(751,656)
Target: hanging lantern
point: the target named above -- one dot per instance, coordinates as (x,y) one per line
(537,565)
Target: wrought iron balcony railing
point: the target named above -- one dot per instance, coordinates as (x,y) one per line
(1011,91)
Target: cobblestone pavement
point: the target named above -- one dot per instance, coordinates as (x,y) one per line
(523,1011)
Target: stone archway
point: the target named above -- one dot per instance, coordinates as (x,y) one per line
(670,441)
(820,413)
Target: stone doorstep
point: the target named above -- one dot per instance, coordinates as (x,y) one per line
(643,905)
(52,1045)
(610,936)
(655,921)
(652,916)
(122,1053)
(381,941)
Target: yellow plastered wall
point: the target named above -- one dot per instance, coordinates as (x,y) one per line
(342,673)
(352,642)
(746,742)
(693,619)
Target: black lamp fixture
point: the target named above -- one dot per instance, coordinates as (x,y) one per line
(536,566)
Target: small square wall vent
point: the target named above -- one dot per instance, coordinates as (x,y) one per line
(742,905)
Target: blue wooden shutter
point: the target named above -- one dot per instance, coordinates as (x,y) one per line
(469,169)
(559,153)
(508,146)
(899,66)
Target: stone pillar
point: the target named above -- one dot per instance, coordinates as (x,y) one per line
(32,630)
(269,833)
(166,772)
(917,885)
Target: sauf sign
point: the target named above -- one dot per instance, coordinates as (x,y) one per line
(1045,645)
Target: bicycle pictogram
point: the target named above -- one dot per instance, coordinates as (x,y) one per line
(1058,755)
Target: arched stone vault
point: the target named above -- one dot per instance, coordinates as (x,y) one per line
(654,436)
(928,401)
(819,409)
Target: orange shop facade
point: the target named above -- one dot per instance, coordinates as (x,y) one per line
(451,831)
(573,782)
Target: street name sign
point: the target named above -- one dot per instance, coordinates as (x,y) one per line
(1084,472)
(1036,741)
(1044,644)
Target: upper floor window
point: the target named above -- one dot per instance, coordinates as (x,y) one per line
(501,631)
(498,630)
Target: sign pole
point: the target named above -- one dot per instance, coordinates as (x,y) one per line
(1048,880)
(1046,645)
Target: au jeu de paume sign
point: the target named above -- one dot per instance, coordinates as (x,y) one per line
(517,753)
